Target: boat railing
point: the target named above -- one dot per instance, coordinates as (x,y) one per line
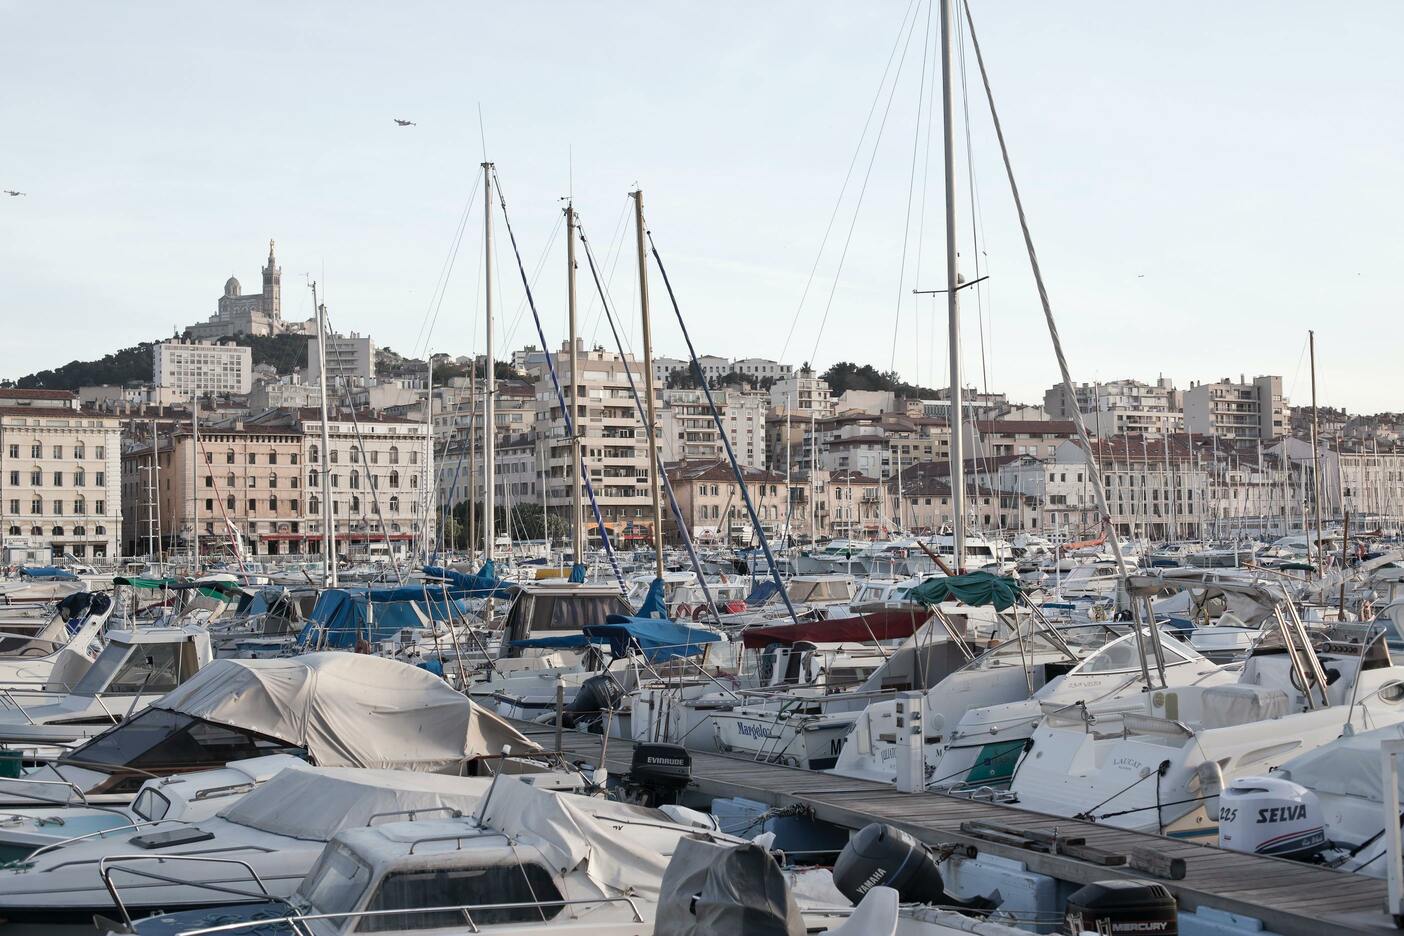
(232,789)
(413,814)
(82,797)
(110,863)
(54,846)
(13,703)
(474,832)
(293,919)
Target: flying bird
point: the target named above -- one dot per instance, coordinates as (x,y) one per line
(12,193)
(404,123)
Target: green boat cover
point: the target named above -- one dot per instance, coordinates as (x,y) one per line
(974,588)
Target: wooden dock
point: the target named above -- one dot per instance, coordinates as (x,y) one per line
(1290,898)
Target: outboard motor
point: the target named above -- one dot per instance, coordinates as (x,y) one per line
(880,855)
(1122,906)
(658,774)
(1271,816)
(596,695)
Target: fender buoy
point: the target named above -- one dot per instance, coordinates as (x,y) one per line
(683,610)
(699,612)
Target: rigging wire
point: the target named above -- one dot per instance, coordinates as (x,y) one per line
(848,176)
(436,298)
(862,191)
(911,188)
(976,217)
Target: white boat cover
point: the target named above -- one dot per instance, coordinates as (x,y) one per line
(1225,706)
(1348,766)
(566,829)
(315,803)
(348,710)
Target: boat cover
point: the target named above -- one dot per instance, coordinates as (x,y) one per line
(657,640)
(342,616)
(484,584)
(1348,766)
(315,803)
(974,588)
(890,624)
(347,710)
(738,889)
(573,830)
(761,593)
(47,572)
(655,604)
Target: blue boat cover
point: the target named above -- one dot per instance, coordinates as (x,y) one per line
(344,615)
(47,572)
(762,593)
(654,604)
(656,639)
(577,573)
(485,584)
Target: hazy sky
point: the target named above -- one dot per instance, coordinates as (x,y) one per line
(1205,182)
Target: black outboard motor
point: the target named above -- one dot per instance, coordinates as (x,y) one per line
(880,855)
(658,775)
(596,695)
(1141,907)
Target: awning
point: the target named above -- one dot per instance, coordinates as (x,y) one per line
(48,572)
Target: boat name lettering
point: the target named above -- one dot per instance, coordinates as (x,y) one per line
(1281,814)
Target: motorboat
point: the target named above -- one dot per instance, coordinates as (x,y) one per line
(60,652)
(134,669)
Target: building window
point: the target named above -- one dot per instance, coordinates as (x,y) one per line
(57,531)
(58,479)
(229,480)
(36,477)
(97,451)
(334,456)
(229,502)
(100,531)
(14,479)
(355,454)
(394,454)
(272,504)
(374,457)
(312,455)
(209,504)
(36,531)
(394,479)
(36,451)
(313,504)
(58,451)
(80,478)
(78,451)
(209,457)
(14,451)
(272,458)
(355,480)
(99,507)
(292,458)
(99,478)
(253,505)
(80,507)
(414,481)
(394,503)
(14,531)
(229,456)
(272,480)
(414,456)
(253,458)
(311,479)
(253,482)
(209,481)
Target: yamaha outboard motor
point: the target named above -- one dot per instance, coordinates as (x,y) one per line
(1271,816)
(596,695)
(658,775)
(882,855)
(1122,906)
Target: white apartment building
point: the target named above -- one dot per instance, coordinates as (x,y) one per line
(687,431)
(1156,488)
(189,367)
(1118,407)
(60,477)
(612,437)
(761,368)
(804,394)
(349,358)
(1238,412)
(664,366)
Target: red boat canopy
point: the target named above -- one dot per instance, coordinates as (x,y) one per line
(892,624)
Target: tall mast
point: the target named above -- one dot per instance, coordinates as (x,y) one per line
(577,516)
(194,489)
(653,487)
(431,482)
(490,384)
(328,530)
(952,295)
(1315,459)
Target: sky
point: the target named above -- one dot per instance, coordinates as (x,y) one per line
(1204,182)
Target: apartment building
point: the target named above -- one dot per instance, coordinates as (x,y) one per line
(203,367)
(1156,488)
(994,438)
(60,493)
(688,431)
(713,508)
(1244,411)
(348,357)
(804,394)
(612,435)
(1118,407)
(761,369)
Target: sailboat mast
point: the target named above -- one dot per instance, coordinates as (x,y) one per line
(328,531)
(1315,459)
(650,406)
(577,514)
(952,295)
(194,490)
(489,383)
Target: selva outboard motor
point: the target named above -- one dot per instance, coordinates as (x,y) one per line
(1115,907)
(658,774)
(880,855)
(1271,816)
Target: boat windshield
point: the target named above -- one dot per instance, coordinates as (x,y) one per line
(1121,656)
(158,740)
(819,590)
(336,882)
(1041,644)
(151,668)
(524,883)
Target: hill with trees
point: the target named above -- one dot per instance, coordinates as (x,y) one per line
(848,376)
(285,353)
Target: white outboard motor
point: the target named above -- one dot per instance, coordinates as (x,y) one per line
(1270,816)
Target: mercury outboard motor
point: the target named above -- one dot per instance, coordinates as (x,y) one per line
(1123,906)
(880,855)
(596,695)
(658,774)
(1271,816)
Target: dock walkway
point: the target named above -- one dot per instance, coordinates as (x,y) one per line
(1288,897)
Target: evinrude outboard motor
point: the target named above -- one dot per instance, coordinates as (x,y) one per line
(1271,816)
(598,694)
(658,775)
(1122,906)
(880,855)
